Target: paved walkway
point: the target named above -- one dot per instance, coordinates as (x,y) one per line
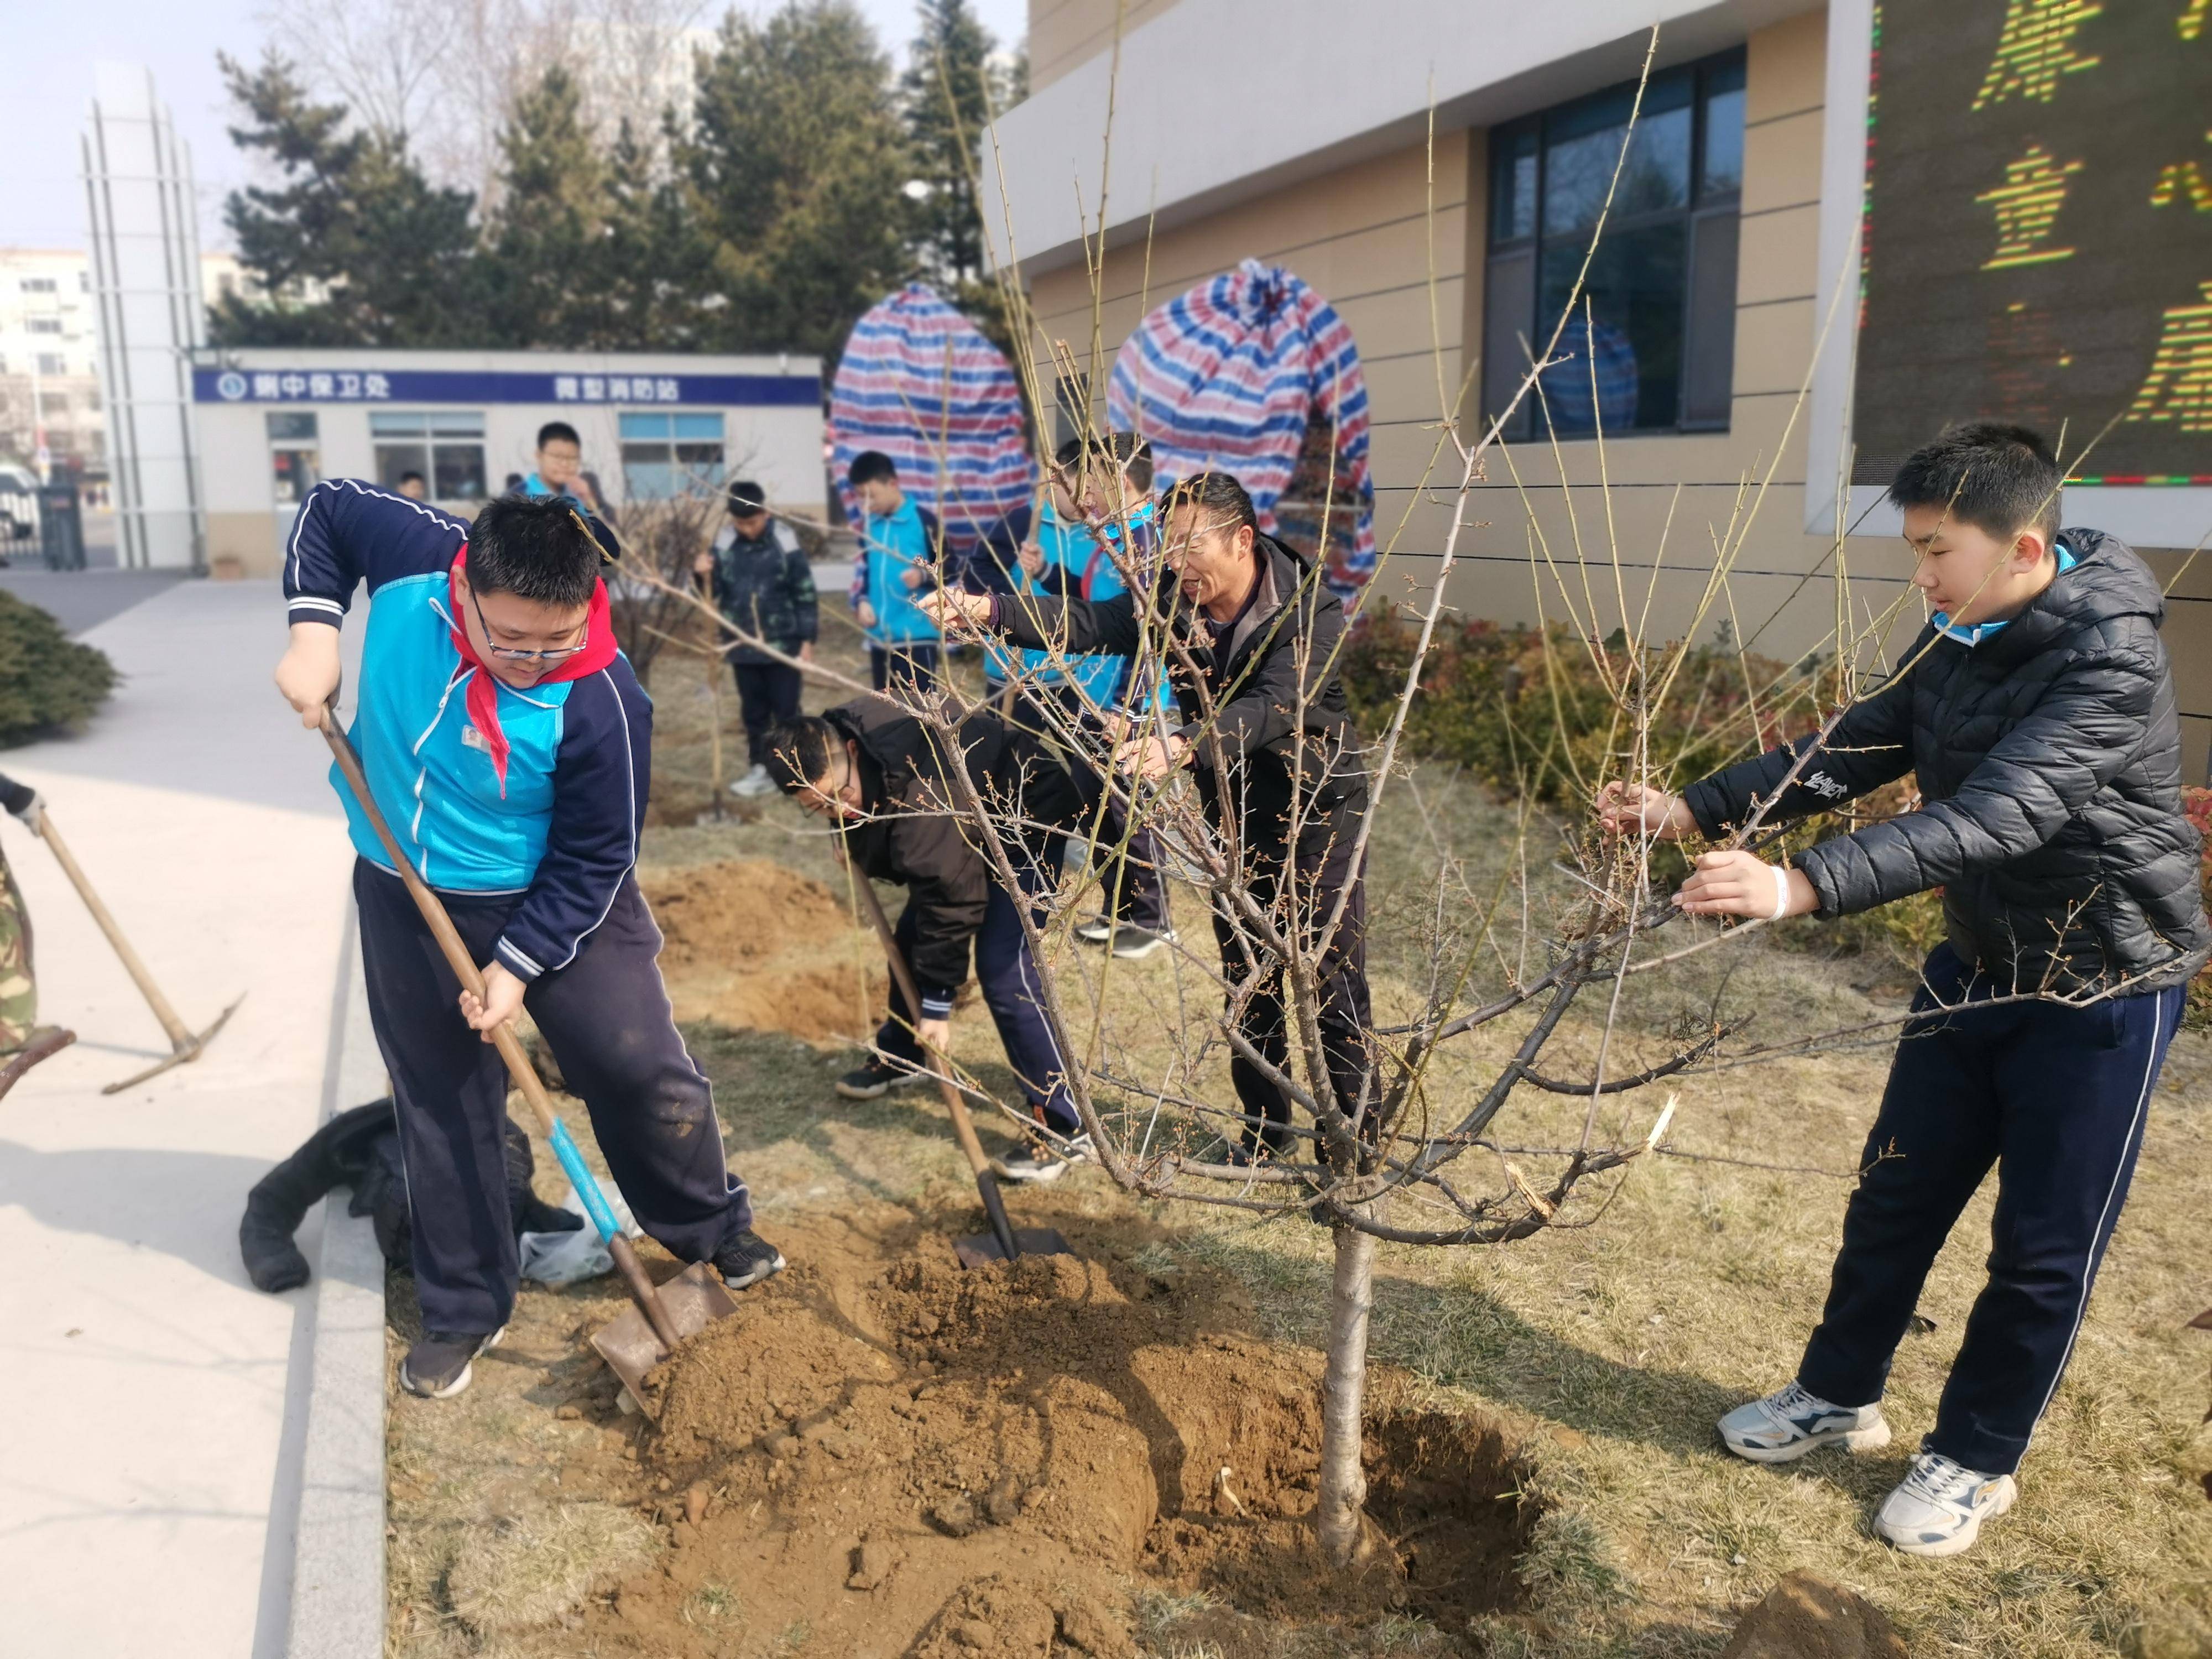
(148,1420)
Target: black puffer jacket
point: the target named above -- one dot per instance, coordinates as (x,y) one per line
(1273,686)
(916,835)
(2049,763)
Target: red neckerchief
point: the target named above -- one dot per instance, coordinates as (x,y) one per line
(483,686)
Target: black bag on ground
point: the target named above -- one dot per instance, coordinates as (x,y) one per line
(360,1148)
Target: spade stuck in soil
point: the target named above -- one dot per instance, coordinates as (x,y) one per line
(1003,1242)
(663,1314)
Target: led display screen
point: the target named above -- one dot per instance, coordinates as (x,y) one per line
(2038,240)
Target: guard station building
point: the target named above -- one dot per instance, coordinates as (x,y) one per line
(270,422)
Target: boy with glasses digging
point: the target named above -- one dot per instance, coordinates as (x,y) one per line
(509,745)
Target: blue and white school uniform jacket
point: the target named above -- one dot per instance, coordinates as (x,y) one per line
(890,547)
(579,755)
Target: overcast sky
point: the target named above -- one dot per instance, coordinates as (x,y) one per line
(45,82)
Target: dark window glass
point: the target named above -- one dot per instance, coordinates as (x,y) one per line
(456,471)
(395,461)
(1720,171)
(1511,292)
(1625,341)
(1513,183)
(289,427)
(1652,345)
(1709,381)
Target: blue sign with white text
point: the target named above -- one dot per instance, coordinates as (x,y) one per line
(340,385)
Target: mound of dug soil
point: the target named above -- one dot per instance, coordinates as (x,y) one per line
(756,945)
(923,1460)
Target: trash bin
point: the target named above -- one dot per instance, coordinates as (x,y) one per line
(61,526)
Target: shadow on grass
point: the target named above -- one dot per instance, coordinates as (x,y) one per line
(1457,1336)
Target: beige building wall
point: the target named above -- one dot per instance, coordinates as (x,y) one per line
(1400,255)
(1065,32)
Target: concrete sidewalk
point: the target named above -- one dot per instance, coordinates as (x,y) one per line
(149,1430)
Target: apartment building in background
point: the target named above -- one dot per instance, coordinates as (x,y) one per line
(1835,232)
(50,357)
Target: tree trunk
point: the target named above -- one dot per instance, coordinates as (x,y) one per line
(1339,1516)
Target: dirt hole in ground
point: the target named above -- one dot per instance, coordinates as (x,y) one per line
(939,1462)
(756,945)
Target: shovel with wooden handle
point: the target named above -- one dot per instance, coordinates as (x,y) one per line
(1004,1242)
(186,1045)
(664,1315)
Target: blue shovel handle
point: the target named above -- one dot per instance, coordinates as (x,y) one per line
(586,1185)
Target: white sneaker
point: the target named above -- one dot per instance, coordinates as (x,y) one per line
(1938,1508)
(755,782)
(1099,930)
(1789,1422)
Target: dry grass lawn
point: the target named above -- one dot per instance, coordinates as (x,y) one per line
(1609,1345)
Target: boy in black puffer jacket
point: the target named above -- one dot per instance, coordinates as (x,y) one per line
(2037,711)
(762,583)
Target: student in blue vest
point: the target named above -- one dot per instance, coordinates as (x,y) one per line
(560,471)
(1064,555)
(510,748)
(900,545)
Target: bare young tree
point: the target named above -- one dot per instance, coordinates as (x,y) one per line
(1539,966)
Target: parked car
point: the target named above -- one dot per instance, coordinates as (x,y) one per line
(19,504)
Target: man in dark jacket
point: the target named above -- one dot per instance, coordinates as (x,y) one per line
(881,773)
(763,585)
(2037,711)
(1251,638)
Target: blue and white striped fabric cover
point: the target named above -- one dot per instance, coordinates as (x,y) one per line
(1227,376)
(919,382)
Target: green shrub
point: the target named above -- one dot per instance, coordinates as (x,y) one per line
(48,682)
(1528,714)
(1526,710)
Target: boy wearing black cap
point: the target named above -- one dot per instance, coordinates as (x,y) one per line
(762,583)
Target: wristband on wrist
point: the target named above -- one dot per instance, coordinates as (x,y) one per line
(1781,891)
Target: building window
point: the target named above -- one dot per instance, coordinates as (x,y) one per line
(667,455)
(1661,293)
(37,285)
(42,325)
(52,362)
(446,446)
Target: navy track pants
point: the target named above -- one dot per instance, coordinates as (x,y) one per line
(1011,990)
(608,1021)
(2055,1097)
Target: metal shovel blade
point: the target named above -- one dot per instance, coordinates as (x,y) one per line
(694,1299)
(185,1053)
(985,1248)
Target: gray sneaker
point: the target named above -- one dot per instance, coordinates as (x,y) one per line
(1134,943)
(1790,1422)
(1938,1509)
(1040,1162)
(1099,930)
(755,782)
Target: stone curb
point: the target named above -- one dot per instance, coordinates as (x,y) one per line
(338,1566)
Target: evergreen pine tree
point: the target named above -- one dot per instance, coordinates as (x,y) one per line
(356,247)
(546,244)
(791,173)
(950,98)
(954,86)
